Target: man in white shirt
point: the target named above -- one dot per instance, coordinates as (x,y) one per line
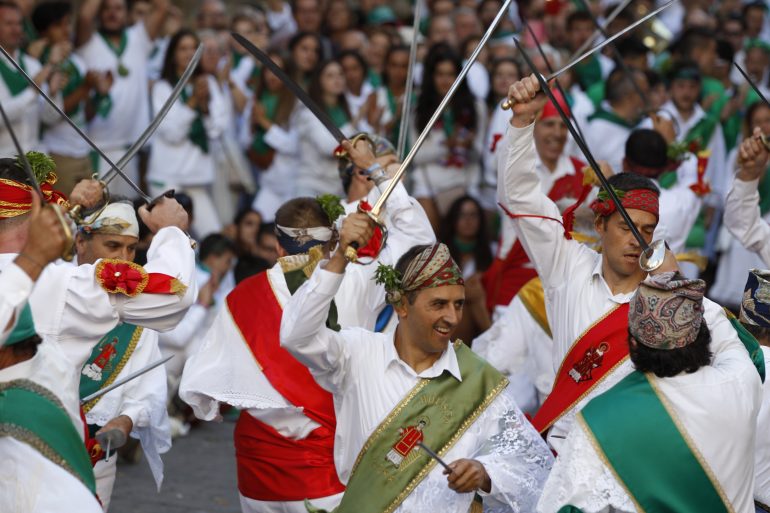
(22,104)
(677,433)
(586,293)
(107,44)
(137,408)
(742,214)
(393,392)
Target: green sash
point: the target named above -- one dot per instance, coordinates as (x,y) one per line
(611,117)
(197,133)
(648,451)
(32,414)
(107,359)
(14,80)
(702,131)
(444,408)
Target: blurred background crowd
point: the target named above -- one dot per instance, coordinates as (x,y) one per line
(237,144)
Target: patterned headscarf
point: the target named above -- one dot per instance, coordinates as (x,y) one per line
(666,311)
(117,218)
(755,306)
(433,267)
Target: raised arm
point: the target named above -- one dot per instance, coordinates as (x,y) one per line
(742,214)
(86,22)
(153,23)
(519,190)
(303,324)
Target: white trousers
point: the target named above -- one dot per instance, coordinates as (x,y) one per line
(254,506)
(105,472)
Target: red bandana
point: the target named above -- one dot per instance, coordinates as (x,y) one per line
(16,197)
(640,199)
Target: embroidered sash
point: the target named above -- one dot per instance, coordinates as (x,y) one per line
(437,411)
(639,437)
(107,360)
(32,414)
(600,349)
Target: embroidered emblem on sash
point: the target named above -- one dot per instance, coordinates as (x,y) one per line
(109,352)
(582,370)
(410,437)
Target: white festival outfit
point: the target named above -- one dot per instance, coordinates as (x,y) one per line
(742,218)
(224,370)
(576,293)
(129,113)
(368,379)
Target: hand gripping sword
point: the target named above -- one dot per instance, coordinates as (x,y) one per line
(67,253)
(374,214)
(507,105)
(652,255)
(301,95)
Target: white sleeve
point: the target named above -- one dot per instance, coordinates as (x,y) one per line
(518,189)
(183,333)
(305,335)
(176,125)
(743,219)
(409,224)
(70,304)
(16,286)
(16,106)
(217,119)
(679,208)
(283,140)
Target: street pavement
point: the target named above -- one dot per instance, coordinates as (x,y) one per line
(199,476)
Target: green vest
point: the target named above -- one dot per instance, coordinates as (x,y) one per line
(32,414)
(437,412)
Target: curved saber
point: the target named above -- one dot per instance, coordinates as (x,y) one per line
(75,126)
(175,93)
(406,107)
(125,380)
(378,206)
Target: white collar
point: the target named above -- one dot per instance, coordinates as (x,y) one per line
(447,362)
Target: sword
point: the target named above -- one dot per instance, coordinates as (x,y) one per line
(125,380)
(155,123)
(652,255)
(506,104)
(301,95)
(433,455)
(67,253)
(620,62)
(550,70)
(588,42)
(74,125)
(765,140)
(374,213)
(407,103)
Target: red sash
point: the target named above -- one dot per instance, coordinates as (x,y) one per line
(505,277)
(257,314)
(600,349)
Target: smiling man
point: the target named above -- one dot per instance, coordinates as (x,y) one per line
(393,392)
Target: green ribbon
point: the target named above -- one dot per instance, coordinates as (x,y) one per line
(33,415)
(14,80)
(612,118)
(270,102)
(636,433)
(448,122)
(197,134)
(118,50)
(589,72)
(447,406)
(338,115)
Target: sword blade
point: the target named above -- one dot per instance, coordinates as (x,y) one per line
(175,93)
(73,124)
(752,84)
(20,152)
(433,455)
(125,380)
(588,42)
(584,148)
(611,39)
(292,86)
(378,206)
(406,108)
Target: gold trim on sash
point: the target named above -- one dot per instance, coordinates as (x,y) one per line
(118,368)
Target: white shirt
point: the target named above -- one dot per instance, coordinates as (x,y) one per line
(679,207)
(716,405)
(70,306)
(576,293)
(143,400)
(368,379)
(175,160)
(25,111)
(743,218)
(130,112)
(16,286)
(607,140)
(762,449)
(59,137)
(30,482)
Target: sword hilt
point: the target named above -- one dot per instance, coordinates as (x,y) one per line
(341,153)
(351,252)
(507,104)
